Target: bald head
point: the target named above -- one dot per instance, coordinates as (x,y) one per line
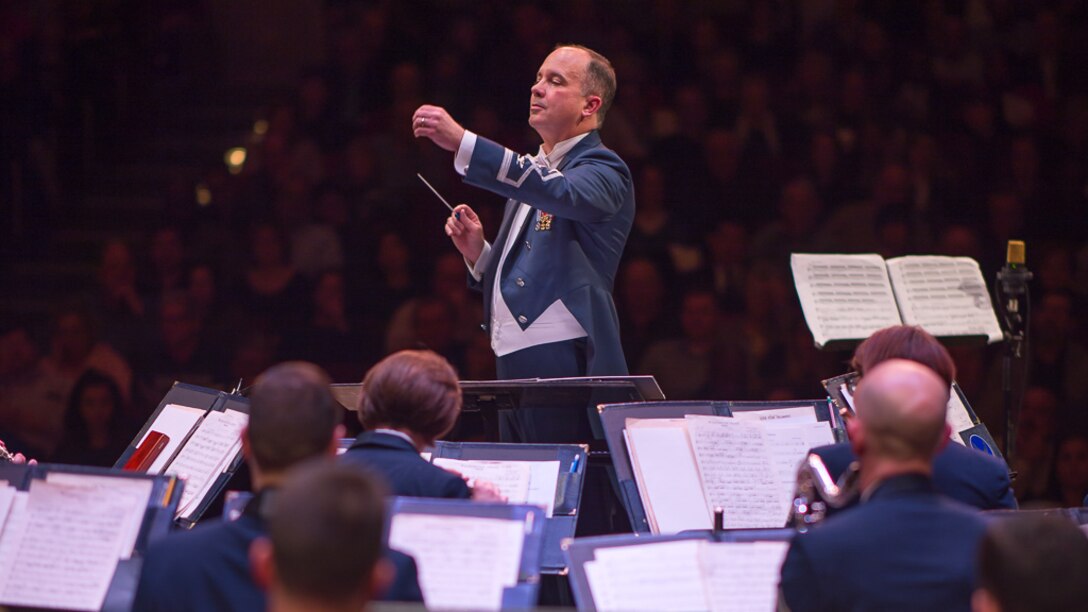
(901,409)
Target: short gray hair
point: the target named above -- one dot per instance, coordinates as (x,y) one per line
(600,79)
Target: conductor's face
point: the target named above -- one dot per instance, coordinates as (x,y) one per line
(558,109)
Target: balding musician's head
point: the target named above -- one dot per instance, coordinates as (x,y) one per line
(900,415)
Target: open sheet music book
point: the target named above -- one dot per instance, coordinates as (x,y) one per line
(848,297)
(685,468)
(61,540)
(686,575)
(521,482)
(201,445)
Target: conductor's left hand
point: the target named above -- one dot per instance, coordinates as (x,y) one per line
(435,123)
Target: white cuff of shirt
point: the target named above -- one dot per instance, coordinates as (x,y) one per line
(464,152)
(477,271)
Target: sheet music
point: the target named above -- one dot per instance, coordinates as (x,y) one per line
(742,576)
(957,417)
(598,586)
(176,422)
(464,562)
(12,535)
(737,471)
(202,458)
(7,498)
(667,476)
(788,445)
(844,297)
(511,477)
(778,414)
(135,491)
(658,576)
(947,296)
(69,549)
(543,484)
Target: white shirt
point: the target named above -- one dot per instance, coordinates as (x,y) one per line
(556,323)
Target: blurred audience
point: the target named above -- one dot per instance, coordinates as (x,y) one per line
(754,130)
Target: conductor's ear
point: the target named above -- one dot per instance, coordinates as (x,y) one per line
(261,563)
(592,105)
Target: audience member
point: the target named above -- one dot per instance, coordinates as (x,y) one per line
(32,398)
(96,431)
(905,547)
(683,365)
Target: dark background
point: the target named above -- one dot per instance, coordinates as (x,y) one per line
(130,245)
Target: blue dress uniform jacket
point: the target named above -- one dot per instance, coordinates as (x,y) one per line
(405,473)
(963,474)
(906,548)
(572,256)
(208,569)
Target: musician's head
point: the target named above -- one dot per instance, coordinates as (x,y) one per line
(324,543)
(292,417)
(900,424)
(573,90)
(1032,563)
(904,342)
(415,392)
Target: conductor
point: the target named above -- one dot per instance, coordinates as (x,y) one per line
(547,280)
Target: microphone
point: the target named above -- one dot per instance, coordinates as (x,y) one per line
(1012,282)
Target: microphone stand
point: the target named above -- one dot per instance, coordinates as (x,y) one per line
(1014,304)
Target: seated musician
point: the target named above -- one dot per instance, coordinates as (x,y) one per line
(304,563)
(411,399)
(905,546)
(962,473)
(293,419)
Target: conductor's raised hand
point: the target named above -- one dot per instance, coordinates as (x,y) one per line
(466,231)
(435,123)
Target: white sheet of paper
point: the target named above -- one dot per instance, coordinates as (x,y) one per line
(176,422)
(947,296)
(844,297)
(598,586)
(12,535)
(69,549)
(7,498)
(847,395)
(658,576)
(742,576)
(543,483)
(667,475)
(201,459)
(778,415)
(135,491)
(957,417)
(788,446)
(737,471)
(464,562)
(511,477)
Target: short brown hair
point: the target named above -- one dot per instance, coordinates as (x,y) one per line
(292,415)
(1034,563)
(904,342)
(412,390)
(600,79)
(326,525)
